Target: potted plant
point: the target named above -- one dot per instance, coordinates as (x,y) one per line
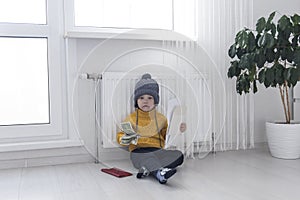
(270,55)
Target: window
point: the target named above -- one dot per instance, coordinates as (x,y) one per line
(23,81)
(175,15)
(31,70)
(18,11)
(128,13)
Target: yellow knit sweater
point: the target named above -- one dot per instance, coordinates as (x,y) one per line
(151,135)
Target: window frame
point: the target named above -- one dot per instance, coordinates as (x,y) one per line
(53,31)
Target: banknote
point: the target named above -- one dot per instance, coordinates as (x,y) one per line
(127,128)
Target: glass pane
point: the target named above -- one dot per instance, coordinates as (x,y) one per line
(24,96)
(88,12)
(124,13)
(23,11)
(151,14)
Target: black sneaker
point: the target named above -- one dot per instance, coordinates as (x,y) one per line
(164,174)
(143,172)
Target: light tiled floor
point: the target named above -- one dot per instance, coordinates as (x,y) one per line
(234,175)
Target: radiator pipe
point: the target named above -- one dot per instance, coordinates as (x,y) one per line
(95,78)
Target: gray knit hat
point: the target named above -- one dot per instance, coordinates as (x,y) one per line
(146,86)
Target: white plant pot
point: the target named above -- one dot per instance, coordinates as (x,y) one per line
(283,140)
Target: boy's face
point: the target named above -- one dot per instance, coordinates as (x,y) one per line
(146,102)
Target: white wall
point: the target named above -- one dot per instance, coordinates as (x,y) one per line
(265,7)
(267,102)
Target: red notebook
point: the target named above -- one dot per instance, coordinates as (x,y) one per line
(116,172)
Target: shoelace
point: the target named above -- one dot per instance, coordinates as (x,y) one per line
(145,171)
(164,171)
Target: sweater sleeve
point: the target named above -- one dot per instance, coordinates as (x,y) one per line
(164,130)
(121,133)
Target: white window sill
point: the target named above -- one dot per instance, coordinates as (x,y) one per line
(133,34)
(39,145)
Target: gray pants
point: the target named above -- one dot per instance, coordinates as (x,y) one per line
(156,158)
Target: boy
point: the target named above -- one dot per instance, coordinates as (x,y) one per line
(147,151)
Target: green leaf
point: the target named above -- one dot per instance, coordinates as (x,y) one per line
(254,87)
(243,84)
(268,27)
(252,73)
(251,42)
(239,85)
(271,16)
(266,40)
(283,38)
(294,76)
(257,38)
(247,86)
(261,41)
(284,23)
(290,54)
(233,69)
(270,55)
(237,71)
(242,40)
(260,58)
(273,29)
(286,73)
(287,54)
(270,40)
(260,25)
(232,51)
(297,57)
(238,35)
(295,41)
(284,53)
(296,19)
(279,69)
(240,52)
(247,61)
(297,29)
(298,72)
(277,54)
(270,76)
(230,72)
(267,83)
(262,76)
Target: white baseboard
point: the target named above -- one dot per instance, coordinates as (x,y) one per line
(57,156)
(67,155)
(24,146)
(42,157)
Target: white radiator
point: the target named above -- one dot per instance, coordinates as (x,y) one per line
(190,93)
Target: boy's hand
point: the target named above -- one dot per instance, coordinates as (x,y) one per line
(182,127)
(127,139)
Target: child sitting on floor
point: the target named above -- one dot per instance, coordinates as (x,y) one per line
(147,151)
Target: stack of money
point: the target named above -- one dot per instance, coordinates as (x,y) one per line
(130,135)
